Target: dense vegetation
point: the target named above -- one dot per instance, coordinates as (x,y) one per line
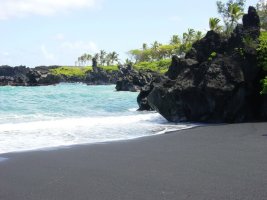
(262,11)
(161,66)
(262,56)
(71,71)
(74,71)
(231,12)
(102,57)
(157,51)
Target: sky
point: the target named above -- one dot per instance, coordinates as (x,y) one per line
(57,32)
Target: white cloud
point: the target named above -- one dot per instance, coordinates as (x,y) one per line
(20,8)
(46,54)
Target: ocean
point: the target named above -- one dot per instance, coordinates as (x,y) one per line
(37,118)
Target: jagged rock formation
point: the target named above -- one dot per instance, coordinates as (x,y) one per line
(217,81)
(101,77)
(132,80)
(23,76)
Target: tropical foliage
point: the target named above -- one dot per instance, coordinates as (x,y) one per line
(157,51)
(231,12)
(262,58)
(214,24)
(71,71)
(102,57)
(262,11)
(161,66)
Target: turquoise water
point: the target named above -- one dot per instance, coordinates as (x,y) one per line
(67,114)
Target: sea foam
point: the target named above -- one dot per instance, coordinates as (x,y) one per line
(71,114)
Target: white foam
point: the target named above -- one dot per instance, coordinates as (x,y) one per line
(132,109)
(70,131)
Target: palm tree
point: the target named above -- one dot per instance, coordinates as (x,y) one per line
(108,59)
(155,45)
(114,57)
(214,24)
(128,61)
(144,46)
(88,58)
(188,37)
(198,35)
(102,57)
(96,57)
(79,61)
(175,40)
(83,59)
(155,49)
(235,12)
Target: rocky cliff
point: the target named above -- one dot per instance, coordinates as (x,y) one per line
(217,81)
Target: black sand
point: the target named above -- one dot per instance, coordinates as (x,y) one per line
(227,162)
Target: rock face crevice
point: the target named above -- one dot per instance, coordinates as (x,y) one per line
(217,81)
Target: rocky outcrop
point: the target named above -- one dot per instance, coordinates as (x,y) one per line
(132,80)
(101,77)
(217,81)
(23,76)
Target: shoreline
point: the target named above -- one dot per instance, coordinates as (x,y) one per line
(213,162)
(62,147)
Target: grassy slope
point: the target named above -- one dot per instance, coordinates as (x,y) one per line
(71,71)
(161,66)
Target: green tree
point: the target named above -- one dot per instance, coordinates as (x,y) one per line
(166,51)
(155,50)
(145,47)
(198,35)
(231,12)
(96,56)
(114,57)
(188,36)
(188,39)
(136,54)
(236,13)
(214,24)
(262,11)
(175,40)
(102,57)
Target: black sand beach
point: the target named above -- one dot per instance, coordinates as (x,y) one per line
(226,162)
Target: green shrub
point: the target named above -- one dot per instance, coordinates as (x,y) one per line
(212,55)
(71,71)
(264,84)
(262,58)
(110,68)
(161,66)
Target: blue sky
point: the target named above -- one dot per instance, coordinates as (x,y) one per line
(48,32)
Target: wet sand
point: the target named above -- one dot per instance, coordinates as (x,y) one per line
(224,162)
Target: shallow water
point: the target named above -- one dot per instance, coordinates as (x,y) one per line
(67,114)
